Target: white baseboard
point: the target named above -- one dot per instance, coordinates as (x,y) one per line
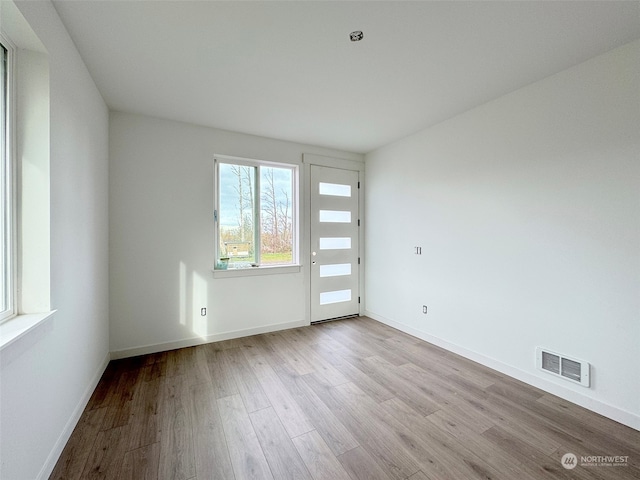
(55,453)
(192,342)
(614,413)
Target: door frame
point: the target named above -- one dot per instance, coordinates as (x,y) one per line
(305,247)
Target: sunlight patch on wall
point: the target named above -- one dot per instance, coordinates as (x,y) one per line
(183,293)
(199,325)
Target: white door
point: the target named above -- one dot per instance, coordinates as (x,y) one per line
(334,243)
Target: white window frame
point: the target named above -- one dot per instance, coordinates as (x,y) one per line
(7,177)
(292,267)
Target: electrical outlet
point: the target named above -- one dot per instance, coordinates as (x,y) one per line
(424,309)
(203,311)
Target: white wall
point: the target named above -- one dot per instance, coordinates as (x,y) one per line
(161,239)
(527,211)
(48,375)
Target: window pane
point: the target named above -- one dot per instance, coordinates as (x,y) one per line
(4,206)
(335,216)
(335,189)
(256,205)
(276,215)
(335,243)
(237,215)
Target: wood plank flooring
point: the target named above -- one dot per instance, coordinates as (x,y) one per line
(351,399)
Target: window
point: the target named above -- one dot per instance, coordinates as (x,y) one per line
(6,204)
(255,213)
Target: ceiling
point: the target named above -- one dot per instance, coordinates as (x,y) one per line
(288,70)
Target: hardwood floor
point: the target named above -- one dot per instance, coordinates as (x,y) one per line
(351,399)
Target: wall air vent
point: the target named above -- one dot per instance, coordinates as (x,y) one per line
(562,366)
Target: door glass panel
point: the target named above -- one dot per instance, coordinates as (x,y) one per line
(335,216)
(336,296)
(335,243)
(335,189)
(335,270)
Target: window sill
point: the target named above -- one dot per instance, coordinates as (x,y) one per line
(21,325)
(256,271)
